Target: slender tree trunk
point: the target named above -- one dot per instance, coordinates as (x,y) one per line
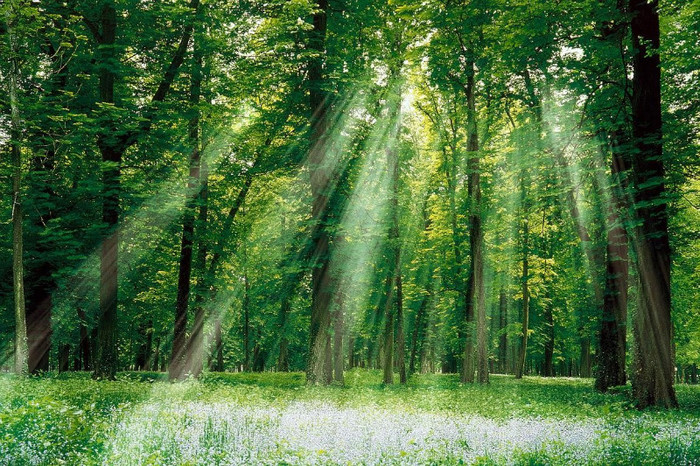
(522,354)
(148,350)
(502,328)
(195,346)
(180,352)
(476,292)
(321,175)
(418,333)
(400,336)
(338,329)
(388,360)
(585,360)
(611,369)
(421,320)
(394,239)
(464,286)
(84,344)
(283,359)
(246,323)
(21,346)
(338,320)
(548,365)
(112,142)
(218,351)
(106,359)
(64,358)
(143,354)
(209,275)
(653,378)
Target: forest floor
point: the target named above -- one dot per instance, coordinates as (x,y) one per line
(275,419)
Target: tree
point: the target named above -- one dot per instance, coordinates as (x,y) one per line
(112,143)
(181,352)
(12,16)
(654,373)
(321,175)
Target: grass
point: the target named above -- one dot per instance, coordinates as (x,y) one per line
(276,419)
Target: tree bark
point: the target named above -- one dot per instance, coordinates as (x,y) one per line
(338,330)
(394,238)
(21,345)
(502,328)
(653,378)
(520,365)
(84,343)
(548,365)
(64,358)
(400,336)
(106,359)
(317,371)
(195,352)
(388,360)
(112,144)
(476,292)
(612,343)
(283,359)
(180,351)
(246,322)
(217,363)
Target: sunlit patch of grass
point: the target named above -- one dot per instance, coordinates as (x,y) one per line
(275,418)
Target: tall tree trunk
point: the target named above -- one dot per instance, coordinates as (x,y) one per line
(394,239)
(339,320)
(475,293)
(548,365)
(64,357)
(112,142)
(653,378)
(283,359)
(418,333)
(421,321)
(388,346)
(522,354)
(338,329)
(209,274)
(84,344)
(585,359)
(195,346)
(400,336)
(352,362)
(179,351)
(246,322)
(106,359)
(612,343)
(502,328)
(143,354)
(463,286)
(217,363)
(321,175)
(21,346)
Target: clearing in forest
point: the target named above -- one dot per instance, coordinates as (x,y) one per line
(274,418)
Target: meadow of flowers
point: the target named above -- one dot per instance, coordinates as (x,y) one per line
(275,419)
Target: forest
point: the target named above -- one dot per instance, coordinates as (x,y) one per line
(347,204)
